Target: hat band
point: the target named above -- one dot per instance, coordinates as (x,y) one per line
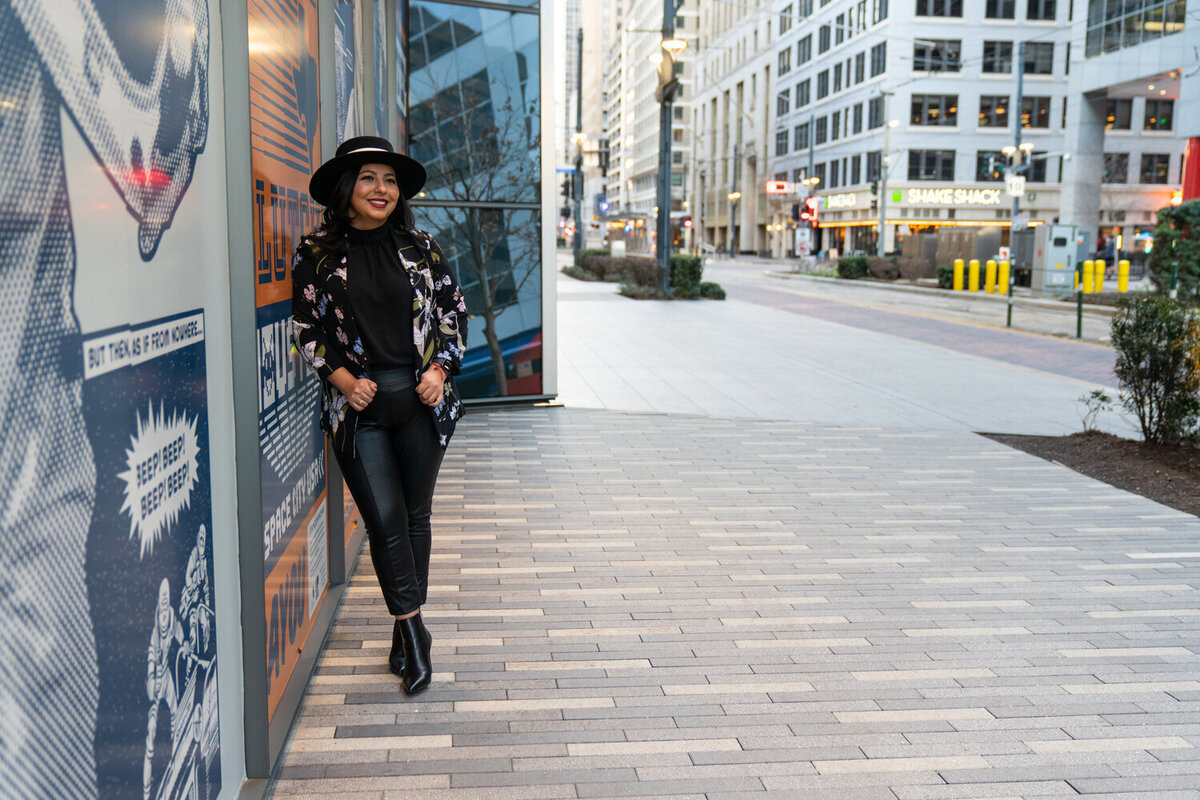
(369,150)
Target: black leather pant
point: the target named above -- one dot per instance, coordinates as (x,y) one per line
(391,476)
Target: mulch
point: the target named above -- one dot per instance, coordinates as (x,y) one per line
(1167,474)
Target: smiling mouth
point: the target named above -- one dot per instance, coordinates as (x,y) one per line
(378,203)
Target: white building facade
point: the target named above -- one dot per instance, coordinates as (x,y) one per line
(907,110)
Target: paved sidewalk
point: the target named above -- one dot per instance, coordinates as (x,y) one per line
(664,606)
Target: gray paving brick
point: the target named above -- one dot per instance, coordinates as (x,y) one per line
(625,606)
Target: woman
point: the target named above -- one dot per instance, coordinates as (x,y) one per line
(389,402)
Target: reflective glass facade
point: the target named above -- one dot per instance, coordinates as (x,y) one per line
(474,114)
(1114,24)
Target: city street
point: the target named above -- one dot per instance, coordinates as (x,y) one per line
(788,569)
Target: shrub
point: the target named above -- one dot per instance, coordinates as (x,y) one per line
(945,276)
(712,291)
(852,267)
(640,271)
(579,273)
(1157,340)
(882,268)
(1177,238)
(685,274)
(913,268)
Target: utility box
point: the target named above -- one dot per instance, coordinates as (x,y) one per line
(1056,251)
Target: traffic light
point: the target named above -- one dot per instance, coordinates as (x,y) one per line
(795,211)
(566,187)
(687,222)
(874,188)
(808,211)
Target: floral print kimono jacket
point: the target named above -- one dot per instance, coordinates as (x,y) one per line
(327,335)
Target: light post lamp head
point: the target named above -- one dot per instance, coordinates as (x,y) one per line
(735,196)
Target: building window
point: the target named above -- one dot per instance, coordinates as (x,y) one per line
(997,57)
(823,39)
(874,165)
(819,173)
(937,55)
(785,61)
(1158,115)
(781,143)
(879,10)
(820,134)
(835,126)
(878,59)
(1116,168)
(804,50)
(805,8)
(860,67)
(837,77)
(1119,115)
(834,177)
(839,34)
(934,109)
(939,8)
(803,93)
(855,170)
(783,102)
(800,137)
(1039,58)
(785,20)
(931,165)
(1000,9)
(1112,26)
(875,113)
(989,166)
(1154,168)
(1040,9)
(858,119)
(993,111)
(1035,112)
(822,84)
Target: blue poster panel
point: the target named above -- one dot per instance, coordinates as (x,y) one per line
(150,561)
(345,79)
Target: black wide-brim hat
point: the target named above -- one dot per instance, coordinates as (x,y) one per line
(352,154)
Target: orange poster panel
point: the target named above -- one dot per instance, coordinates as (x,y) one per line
(294,591)
(285,140)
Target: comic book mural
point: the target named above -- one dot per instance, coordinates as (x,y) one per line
(285,148)
(108,655)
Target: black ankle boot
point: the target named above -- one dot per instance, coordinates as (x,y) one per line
(396,657)
(418,671)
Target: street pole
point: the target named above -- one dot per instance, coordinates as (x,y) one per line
(881,246)
(667,86)
(734,196)
(578,177)
(1016,115)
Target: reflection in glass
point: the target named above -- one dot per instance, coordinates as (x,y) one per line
(496,255)
(474,106)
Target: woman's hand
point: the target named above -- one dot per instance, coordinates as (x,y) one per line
(429,390)
(361,393)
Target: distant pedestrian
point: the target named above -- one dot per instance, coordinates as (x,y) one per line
(389,400)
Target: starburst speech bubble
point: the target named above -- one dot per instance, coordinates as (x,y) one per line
(161,476)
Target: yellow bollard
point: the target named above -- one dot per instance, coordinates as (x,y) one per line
(1077,268)
(1101,268)
(989,281)
(1089,276)
(1004,275)
(973,275)
(1123,276)
(958,274)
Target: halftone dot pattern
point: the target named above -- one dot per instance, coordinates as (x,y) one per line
(48,673)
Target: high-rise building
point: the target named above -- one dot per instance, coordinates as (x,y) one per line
(730,115)
(632,112)
(910,113)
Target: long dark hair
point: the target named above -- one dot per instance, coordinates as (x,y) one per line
(335,220)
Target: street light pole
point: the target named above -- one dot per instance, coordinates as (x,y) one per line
(884,157)
(667,86)
(734,195)
(578,177)
(1017,123)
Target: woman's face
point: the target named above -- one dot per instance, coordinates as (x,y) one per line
(376,193)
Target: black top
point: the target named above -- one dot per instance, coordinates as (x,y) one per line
(381,296)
